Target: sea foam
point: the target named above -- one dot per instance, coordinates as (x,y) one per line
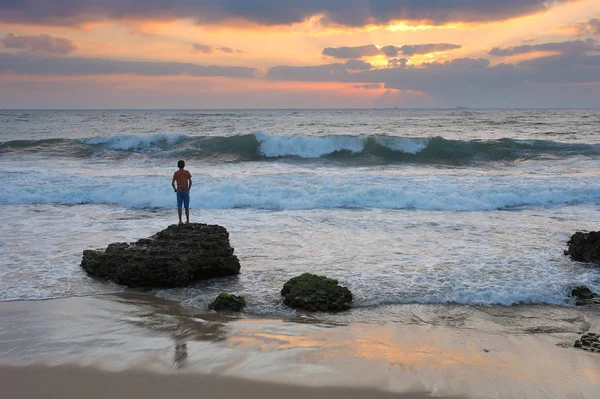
(296,191)
(133,143)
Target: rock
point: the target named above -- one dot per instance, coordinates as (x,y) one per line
(228,302)
(316,293)
(584,296)
(588,342)
(173,257)
(585,247)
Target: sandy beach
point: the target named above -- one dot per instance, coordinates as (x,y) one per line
(76,382)
(135,345)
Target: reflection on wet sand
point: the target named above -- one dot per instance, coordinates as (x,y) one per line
(181,355)
(518,351)
(164,316)
(182,324)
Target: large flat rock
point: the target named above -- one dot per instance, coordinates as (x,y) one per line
(174,257)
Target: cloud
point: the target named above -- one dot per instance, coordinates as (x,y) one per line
(593,26)
(412,49)
(352,52)
(202,48)
(42,43)
(587,27)
(206,49)
(349,73)
(281,12)
(369,86)
(398,62)
(572,47)
(71,66)
(474,82)
(357,65)
(320,73)
(563,68)
(371,50)
(462,63)
(470,82)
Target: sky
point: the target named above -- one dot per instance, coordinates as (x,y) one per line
(214,54)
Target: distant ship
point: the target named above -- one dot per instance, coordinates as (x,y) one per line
(462,107)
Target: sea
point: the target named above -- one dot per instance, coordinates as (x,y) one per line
(457,206)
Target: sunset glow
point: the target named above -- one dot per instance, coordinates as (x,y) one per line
(281,56)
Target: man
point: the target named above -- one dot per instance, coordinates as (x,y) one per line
(184,184)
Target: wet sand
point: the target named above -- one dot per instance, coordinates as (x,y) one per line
(140,346)
(66,382)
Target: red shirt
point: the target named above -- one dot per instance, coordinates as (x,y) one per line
(182,177)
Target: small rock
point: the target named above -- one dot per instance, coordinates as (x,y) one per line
(584,247)
(316,293)
(584,296)
(228,302)
(589,342)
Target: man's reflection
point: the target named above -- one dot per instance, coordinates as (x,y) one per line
(181,355)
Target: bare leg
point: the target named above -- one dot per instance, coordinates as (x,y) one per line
(187,216)
(179,214)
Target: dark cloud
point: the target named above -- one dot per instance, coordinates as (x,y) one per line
(345,72)
(472,82)
(343,12)
(370,50)
(427,48)
(590,27)
(70,66)
(323,73)
(203,48)
(390,50)
(41,43)
(412,49)
(357,65)
(352,52)
(398,62)
(572,47)
(462,63)
(563,68)
(206,49)
(369,86)
(468,82)
(594,26)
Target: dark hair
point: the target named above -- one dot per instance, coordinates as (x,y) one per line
(181,164)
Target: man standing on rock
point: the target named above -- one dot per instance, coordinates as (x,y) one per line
(184,184)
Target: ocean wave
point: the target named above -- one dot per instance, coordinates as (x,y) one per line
(303,191)
(338,148)
(134,143)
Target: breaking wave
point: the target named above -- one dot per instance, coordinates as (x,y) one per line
(355,150)
(302,191)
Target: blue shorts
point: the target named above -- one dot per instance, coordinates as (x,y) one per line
(183,197)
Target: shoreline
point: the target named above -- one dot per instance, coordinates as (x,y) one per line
(442,350)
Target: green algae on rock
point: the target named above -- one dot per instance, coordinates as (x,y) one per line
(228,302)
(316,293)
